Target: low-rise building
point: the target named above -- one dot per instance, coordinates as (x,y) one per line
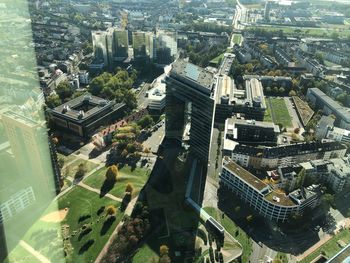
(251,131)
(81,116)
(338,134)
(272,157)
(249,102)
(334,172)
(270,203)
(156,97)
(321,101)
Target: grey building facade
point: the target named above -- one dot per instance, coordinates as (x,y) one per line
(190,102)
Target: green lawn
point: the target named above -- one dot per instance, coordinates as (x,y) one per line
(72,168)
(145,254)
(136,177)
(317,32)
(47,237)
(279,112)
(330,247)
(267,115)
(218,59)
(67,158)
(237,39)
(231,227)
(20,255)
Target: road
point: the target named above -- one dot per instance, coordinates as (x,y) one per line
(155,139)
(261,253)
(240,16)
(292,112)
(142,101)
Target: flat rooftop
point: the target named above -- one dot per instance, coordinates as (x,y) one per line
(225,88)
(253,123)
(289,150)
(259,185)
(193,73)
(245,175)
(83,107)
(251,96)
(158,92)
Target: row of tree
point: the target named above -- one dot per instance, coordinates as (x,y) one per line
(117,86)
(134,229)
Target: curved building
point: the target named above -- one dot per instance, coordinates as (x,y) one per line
(269,203)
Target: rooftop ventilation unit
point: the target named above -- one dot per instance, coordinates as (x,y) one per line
(87,98)
(81,114)
(65,109)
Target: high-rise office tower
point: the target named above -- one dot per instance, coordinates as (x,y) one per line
(190,106)
(165,48)
(110,46)
(121,44)
(267,10)
(99,42)
(142,43)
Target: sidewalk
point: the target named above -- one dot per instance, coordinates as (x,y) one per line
(35,253)
(104,250)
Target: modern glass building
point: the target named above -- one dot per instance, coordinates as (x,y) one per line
(190,106)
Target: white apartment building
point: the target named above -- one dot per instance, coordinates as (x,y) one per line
(271,204)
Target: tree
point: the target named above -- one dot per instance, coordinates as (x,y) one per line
(60,162)
(130,100)
(342,98)
(319,57)
(275,90)
(328,200)
(129,188)
(348,213)
(64,90)
(146,122)
(292,93)
(96,86)
(81,171)
(281,90)
(124,153)
(163,250)
(53,101)
(112,173)
(147,151)
(111,210)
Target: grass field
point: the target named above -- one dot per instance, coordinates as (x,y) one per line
(67,158)
(237,39)
(72,168)
(330,248)
(267,115)
(278,111)
(231,227)
(217,59)
(136,177)
(20,255)
(317,32)
(145,254)
(47,238)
